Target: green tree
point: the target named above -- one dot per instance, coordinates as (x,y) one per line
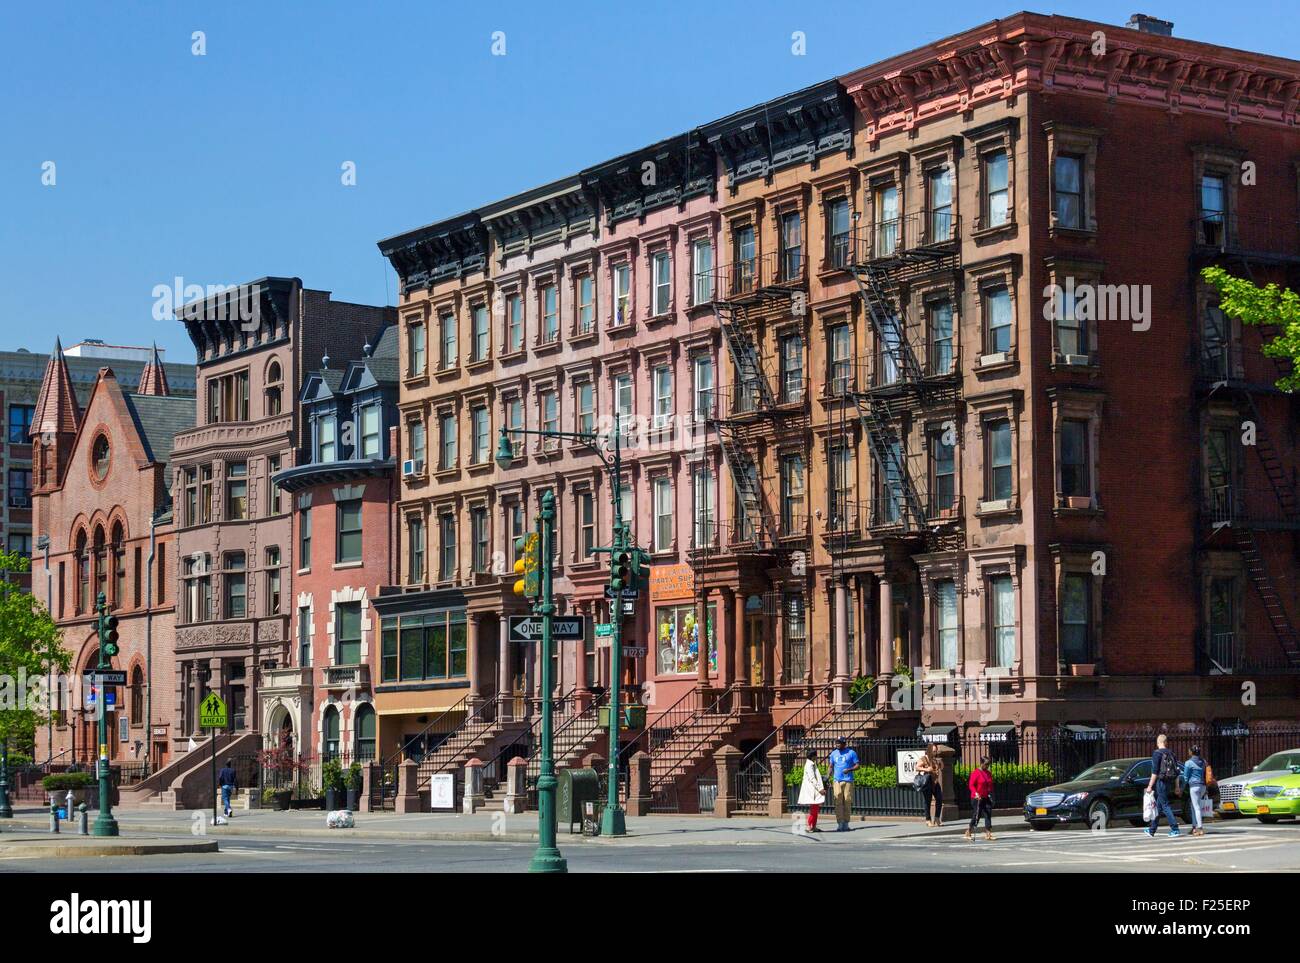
(1267,305)
(30,648)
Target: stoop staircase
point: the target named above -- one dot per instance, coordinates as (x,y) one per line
(682,741)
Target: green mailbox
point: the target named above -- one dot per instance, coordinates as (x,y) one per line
(576,787)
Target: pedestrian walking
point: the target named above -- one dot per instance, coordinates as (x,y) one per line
(812,793)
(929,779)
(1196,774)
(981,799)
(1164,777)
(227,781)
(843,761)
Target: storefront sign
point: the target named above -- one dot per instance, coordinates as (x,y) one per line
(442,791)
(907,760)
(672,582)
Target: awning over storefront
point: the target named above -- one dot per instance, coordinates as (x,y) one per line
(946,735)
(1082,733)
(998,733)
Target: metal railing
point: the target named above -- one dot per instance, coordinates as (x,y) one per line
(753,782)
(1228,504)
(1259,234)
(921,232)
(761,273)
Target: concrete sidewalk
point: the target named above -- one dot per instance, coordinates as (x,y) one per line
(35,845)
(666,830)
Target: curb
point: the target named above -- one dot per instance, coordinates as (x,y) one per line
(40,847)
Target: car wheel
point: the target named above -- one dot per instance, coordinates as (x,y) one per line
(1268,819)
(1042,827)
(1099,815)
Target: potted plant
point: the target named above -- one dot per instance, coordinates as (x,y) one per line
(307,796)
(354,787)
(276,798)
(331,777)
(59,784)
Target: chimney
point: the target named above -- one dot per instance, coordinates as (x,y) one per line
(1145,23)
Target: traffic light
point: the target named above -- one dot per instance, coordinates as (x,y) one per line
(640,569)
(527,560)
(620,573)
(108,635)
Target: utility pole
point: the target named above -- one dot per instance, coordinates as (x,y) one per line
(547,858)
(105,824)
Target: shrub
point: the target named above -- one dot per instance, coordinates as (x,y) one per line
(331,775)
(873,777)
(18,760)
(354,777)
(63,781)
(1024,773)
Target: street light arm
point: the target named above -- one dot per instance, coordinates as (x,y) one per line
(590,439)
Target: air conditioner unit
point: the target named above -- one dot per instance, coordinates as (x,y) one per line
(412,467)
(1079,359)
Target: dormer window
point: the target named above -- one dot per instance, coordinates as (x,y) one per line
(326,429)
(370,435)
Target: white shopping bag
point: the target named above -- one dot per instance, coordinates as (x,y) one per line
(1148,805)
(1207,807)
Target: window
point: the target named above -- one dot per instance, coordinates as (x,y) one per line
(191,477)
(273,388)
(416,432)
(83,574)
(997,193)
(793,518)
(550,314)
(273,599)
(228,398)
(447,544)
(742,240)
(205,493)
(415,335)
(938,185)
(586,304)
(20,423)
(430,646)
(841,362)
(21,543)
(348,514)
(137,695)
(236,585)
(447,434)
(118,550)
(943,474)
(478,530)
(364,727)
(792,368)
(623,404)
(622,288)
(837,232)
(388,651)
(663,267)
(791,246)
(160,579)
(480,346)
(702,271)
(663,502)
(515,419)
(887,220)
(1214,208)
(347,633)
(663,382)
(677,639)
(550,407)
(514,529)
(304,537)
(794,647)
(702,489)
(1075,481)
(939,314)
(236,490)
(997,319)
(703,367)
(272,489)
(945,623)
(1071,329)
(998,453)
(99,456)
(370,434)
(1002,618)
(415,550)
(20,487)
(586,525)
(449,346)
(841,476)
(481,432)
(515,323)
(326,439)
(1076,608)
(625,506)
(1068,179)
(585,403)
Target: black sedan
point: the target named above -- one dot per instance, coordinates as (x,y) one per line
(1108,791)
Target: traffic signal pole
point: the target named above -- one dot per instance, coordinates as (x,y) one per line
(547,858)
(612,821)
(105,824)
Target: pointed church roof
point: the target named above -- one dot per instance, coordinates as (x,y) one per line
(57,411)
(153,379)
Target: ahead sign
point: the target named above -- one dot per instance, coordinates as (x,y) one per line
(525,628)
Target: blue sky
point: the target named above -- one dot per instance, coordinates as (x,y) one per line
(226,167)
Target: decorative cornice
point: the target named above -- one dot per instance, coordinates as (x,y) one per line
(446,250)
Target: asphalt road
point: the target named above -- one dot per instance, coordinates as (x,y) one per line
(1236,847)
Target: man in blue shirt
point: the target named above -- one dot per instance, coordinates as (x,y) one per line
(843,762)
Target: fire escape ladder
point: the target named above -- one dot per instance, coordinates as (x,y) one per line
(744,358)
(1263,582)
(744,475)
(1273,467)
(889,325)
(879,422)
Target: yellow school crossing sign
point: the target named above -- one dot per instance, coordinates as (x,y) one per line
(212,712)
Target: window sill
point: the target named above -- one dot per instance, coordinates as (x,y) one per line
(986,233)
(416,380)
(1072,233)
(514,355)
(1089,510)
(1082,363)
(1001,507)
(620,330)
(480,365)
(658,320)
(547,347)
(360,563)
(447,373)
(584,337)
(445,474)
(303,571)
(479,467)
(998,361)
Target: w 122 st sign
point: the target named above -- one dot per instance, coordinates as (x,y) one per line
(526,628)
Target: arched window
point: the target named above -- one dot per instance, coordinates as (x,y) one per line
(119,567)
(331,725)
(363,724)
(274,388)
(83,574)
(137,696)
(101,566)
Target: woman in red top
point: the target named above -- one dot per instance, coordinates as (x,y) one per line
(981,799)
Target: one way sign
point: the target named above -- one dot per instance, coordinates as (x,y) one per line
(526,628)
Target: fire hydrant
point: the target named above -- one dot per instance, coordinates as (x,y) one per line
(83,824)
(54,815)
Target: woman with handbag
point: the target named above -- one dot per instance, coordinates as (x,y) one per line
(928,781)
(981,799)
(1197,774)
(812,792)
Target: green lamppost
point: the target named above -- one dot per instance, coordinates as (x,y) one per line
(105,824)
(6,810)
(547,858)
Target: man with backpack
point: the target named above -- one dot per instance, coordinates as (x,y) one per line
(1164,776)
